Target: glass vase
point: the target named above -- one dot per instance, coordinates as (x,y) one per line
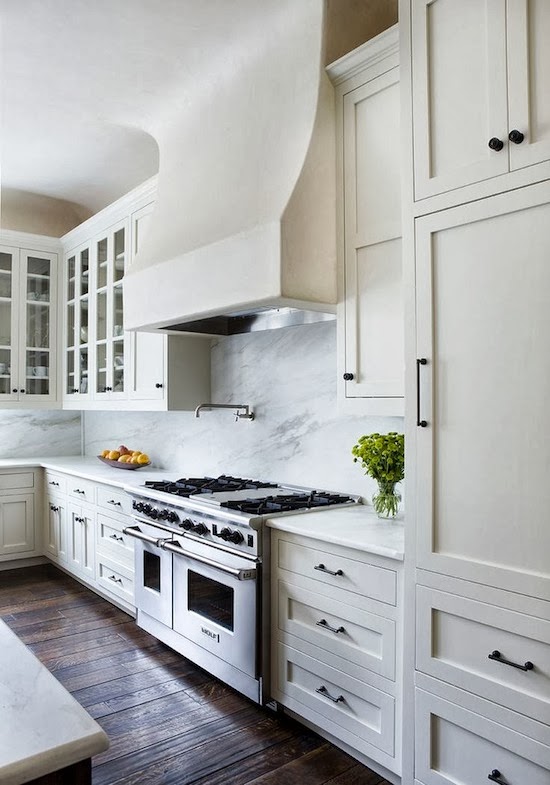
(386,501)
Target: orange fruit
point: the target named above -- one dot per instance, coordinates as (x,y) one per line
(142,458)
(124,458)
(114,455)
(105,453)
(134,459)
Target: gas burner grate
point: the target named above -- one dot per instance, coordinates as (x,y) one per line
(295,501)
(188,486)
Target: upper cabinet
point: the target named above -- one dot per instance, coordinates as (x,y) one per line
(28,321)
(105,366)
(480,80)
(370,338)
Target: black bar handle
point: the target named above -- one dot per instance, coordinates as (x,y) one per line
(324,623)
(495,775)
(326,694)
(322,568)
(496,655)
(419,361)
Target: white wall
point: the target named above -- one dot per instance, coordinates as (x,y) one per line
(27,434)
(288,376)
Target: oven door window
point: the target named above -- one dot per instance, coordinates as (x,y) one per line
(211,600)
(151,571)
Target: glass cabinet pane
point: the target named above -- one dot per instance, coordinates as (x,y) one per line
(83,322)
(71,383)
(6,269)
(70,325)
(102,255)
(83,381)
(101,326)
(84,271)
(71,276)
(119,255)
(101,355)
(37,323)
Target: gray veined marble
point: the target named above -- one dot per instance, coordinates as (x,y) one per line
(288,377)
(25,434)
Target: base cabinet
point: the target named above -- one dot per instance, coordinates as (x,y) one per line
(18,502)
(336,631)
(87,540)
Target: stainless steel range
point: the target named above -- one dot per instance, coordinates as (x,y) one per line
(202,568)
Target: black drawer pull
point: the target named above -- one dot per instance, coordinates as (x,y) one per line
(495,775)
(324,623)
(116,537)
(77,490)
(322,568)
(112,501)
(496,655)
(420,423)
(52,482)
(326,694)
(53,508)
(115,579)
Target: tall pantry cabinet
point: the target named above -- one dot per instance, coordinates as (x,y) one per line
(478,381)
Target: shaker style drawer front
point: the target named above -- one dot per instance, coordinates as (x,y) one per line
(338,571)
(113,500)
(342,630)
(352,711)
(55,483)
(496,653)
(83,490)
(116,578)
(454,745)
(16,481)
(110,537)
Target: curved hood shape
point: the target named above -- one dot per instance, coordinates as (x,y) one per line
(245,212)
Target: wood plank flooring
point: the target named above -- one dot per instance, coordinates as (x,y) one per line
(169,722)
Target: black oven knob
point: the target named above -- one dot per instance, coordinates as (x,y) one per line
(163,515)
(154,513)
(137,506)
(172,517)
(187,524)
(236,537)
(200,528)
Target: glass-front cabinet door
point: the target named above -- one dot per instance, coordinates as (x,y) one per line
(27,325)
(77,325)
(110,341)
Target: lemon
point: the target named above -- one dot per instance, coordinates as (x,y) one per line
(124,458)
(105,453)
(142,458)
(114,455)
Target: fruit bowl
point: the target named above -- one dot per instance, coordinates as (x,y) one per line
(119,465)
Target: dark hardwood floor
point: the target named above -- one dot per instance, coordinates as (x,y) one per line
(167,720)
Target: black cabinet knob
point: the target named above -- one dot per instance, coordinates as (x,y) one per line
(496,144)
(14,390)
(21,391)
(348,377)
(158,385)
(516,136)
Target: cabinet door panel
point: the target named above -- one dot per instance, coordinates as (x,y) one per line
(148,366)
(74,540)
(528,32)
(9,295)
(459,90)
(16,524)
(484,325)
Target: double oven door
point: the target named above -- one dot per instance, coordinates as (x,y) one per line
(206,594)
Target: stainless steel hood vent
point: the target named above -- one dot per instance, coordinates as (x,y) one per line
(262,319)
(243,233)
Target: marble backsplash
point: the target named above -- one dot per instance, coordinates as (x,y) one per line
(30,433)
(288,377)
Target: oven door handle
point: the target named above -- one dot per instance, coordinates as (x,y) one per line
(241,575)
(135,531)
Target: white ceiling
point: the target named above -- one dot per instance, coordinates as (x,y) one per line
(86,85)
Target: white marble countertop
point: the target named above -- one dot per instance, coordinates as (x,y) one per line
(43,726)
(88,467)
(352,527)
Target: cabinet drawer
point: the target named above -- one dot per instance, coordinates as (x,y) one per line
(353,575)
(455,637)
(115,578)
(454,745)
(16,480)
(339,629)
(83,490)
(114,500)
(110,538)
(352,711)
(55,483)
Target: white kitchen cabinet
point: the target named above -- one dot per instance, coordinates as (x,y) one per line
(370,317)
(483,325)
(335,614)
(18,502)
(480,73)
(28,326)
(56,529)
(107,367)
(81,541)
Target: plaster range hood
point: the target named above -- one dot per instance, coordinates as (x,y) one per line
(243,236)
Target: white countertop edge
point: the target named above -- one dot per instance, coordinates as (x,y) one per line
(355,527)
(89,468)
(43,763)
